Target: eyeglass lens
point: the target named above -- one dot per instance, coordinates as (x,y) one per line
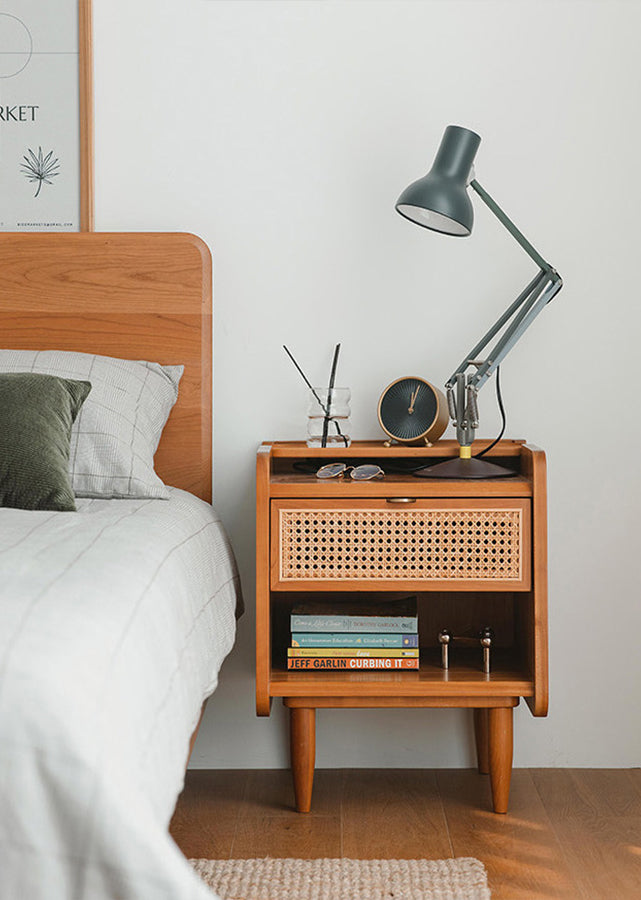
(364,473)
(332,470)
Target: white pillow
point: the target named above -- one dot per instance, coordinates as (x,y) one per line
(116,434)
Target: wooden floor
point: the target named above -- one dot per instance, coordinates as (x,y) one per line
(570,833)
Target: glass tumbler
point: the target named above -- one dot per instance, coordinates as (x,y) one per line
(329,416)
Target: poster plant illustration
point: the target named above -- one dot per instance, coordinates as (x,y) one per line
(41,169)
(39,116)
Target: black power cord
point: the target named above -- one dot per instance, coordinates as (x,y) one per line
(499,399)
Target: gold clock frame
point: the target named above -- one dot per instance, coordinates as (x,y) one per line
(436,428)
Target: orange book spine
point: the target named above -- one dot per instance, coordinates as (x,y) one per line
(350,662)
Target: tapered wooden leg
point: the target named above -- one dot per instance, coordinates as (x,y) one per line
(302,722)
(482,743)
(500,755)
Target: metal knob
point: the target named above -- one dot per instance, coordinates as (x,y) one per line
(486,637)
(444,637)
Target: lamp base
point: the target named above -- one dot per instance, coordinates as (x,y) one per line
(459,468)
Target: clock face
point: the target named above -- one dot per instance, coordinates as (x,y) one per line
(407,409)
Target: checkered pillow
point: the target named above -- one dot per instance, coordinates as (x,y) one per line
(114,438)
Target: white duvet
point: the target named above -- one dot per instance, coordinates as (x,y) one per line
(114,622)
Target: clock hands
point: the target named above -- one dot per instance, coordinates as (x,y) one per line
(413,397)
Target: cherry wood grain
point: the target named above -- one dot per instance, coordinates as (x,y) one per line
(533,634)
(500,745)
(263,616)
(446,448)
(133,296)
(305,486)
(507,679)
(400,702)
(302,725)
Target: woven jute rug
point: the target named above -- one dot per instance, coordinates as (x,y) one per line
(345,879)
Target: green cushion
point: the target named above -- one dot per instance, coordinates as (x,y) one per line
(36,415)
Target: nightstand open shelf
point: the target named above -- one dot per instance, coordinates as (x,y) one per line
(473,553)
(463,680)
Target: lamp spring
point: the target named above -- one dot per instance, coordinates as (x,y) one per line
(451,403)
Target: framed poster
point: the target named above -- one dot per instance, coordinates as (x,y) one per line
(46,120)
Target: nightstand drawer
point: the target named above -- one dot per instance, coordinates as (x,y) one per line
(391,545)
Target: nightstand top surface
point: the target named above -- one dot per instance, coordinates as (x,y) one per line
(363,449)
(288,479)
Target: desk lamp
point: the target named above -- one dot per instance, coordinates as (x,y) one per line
(440,201)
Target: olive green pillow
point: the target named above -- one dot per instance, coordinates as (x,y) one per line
(36,415)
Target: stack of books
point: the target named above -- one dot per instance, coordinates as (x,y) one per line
(363,635)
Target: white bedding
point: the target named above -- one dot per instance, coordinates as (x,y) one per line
(114,622)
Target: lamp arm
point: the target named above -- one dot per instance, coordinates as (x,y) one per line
(530,308)
(462,391)
(511,227)
(498,325)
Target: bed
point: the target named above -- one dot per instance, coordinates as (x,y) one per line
(114,619)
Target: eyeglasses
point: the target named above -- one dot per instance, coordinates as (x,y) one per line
(358,473)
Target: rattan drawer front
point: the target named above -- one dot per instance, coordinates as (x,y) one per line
(461,544)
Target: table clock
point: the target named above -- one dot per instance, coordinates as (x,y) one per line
(412,411)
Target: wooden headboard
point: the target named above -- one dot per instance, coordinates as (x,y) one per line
(134,296)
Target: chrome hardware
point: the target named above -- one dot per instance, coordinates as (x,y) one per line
(451,403)
(444,637)
(472,409)
(400,499)
(486,638)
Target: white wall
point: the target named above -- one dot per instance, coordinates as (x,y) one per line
(282,133)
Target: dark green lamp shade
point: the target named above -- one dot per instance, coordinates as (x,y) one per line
(439,200)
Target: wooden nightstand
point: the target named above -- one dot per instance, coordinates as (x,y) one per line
(474,553)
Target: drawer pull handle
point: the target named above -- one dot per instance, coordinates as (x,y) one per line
(401,499)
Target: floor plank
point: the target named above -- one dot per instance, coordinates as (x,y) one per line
(597,821)
(519,850)
(634,775)
(298,835)
(393,808)
(206,816)
(588,793)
